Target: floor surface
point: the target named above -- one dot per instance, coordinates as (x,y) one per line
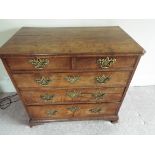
(137,116)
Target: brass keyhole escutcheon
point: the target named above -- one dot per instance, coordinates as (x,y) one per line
(43,81)
(74,94)
(72,79)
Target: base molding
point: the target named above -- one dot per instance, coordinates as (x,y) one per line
(112,119)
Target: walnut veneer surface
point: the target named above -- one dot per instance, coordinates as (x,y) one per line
(72,73)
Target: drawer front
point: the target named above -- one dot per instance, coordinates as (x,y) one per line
(103,63)
(72,96)
(39,63)
(72,111)
(42,80)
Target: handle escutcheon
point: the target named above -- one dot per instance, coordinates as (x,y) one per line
(39,63)
(102,79)
(51,112)
(105,62)
(98,95)
(43,81)
(47,97)
(95,110)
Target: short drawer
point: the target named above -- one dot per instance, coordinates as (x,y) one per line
(97,79)
(72,111)
(104,63)
(39,63)
(67,96)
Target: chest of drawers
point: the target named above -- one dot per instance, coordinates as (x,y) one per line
(71,73)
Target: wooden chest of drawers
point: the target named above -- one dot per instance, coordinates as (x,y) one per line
(71,73)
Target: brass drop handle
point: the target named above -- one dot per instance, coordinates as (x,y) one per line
(51,112)
(95,110)
(43,81)
(72,79)
(102,79)
(47,97)
(98,95)
(105,62)
(39,63)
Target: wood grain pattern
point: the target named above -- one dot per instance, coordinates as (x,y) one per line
(88,63)
(117,79)
(71,71)
(25,64)
(83,40)
(60,96)
(63,112)
(66,63)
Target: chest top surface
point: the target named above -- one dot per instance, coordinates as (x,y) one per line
(70,40)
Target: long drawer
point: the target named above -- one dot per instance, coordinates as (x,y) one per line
(67,96)
(72,111)
(91,79)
